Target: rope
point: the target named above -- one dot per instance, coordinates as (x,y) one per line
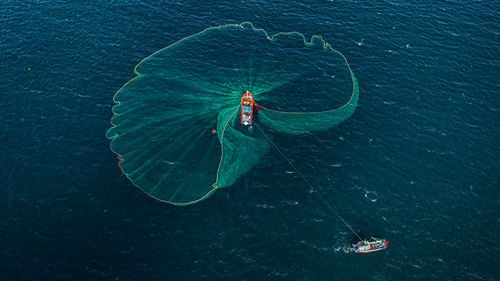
(308,183)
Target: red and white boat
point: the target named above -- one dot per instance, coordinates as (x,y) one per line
(247,105)
(375,244)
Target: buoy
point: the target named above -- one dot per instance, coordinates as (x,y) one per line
(214,131)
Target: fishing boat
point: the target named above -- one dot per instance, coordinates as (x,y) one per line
(372,245)
(247,105)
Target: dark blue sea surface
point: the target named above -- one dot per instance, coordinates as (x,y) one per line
(418,162)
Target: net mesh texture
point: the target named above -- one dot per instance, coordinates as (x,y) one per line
(162,128)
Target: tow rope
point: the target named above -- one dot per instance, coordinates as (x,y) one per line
(308,183)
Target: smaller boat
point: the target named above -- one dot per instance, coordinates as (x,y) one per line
(372,245)
(247,104)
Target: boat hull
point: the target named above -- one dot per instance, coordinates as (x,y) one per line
(247,104)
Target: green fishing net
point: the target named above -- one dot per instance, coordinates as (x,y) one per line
(176,126)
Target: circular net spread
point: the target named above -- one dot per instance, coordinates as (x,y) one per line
(162,128)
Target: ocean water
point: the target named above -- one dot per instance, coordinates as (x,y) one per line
(417,163)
